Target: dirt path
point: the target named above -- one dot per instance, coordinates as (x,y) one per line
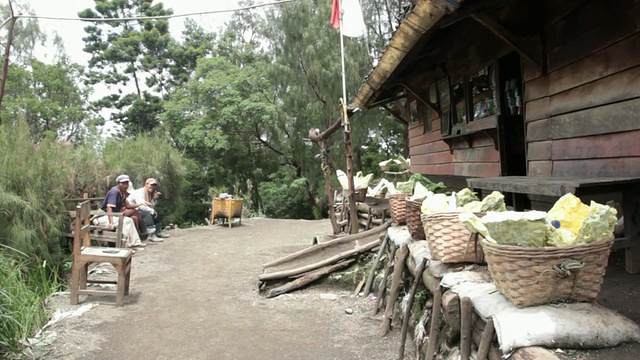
(195,296)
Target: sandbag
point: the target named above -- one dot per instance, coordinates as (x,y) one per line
(574,325)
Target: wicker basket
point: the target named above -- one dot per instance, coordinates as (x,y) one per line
(360,195)
(398,208)
(414,223)
(534,276)
(450,241)
(226,208)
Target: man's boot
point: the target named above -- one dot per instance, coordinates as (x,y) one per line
(159,233)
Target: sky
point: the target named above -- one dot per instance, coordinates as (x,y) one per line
(72,31)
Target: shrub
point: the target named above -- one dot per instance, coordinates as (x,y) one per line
(24,287)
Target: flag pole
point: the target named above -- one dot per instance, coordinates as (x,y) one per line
(346,135)
(344,80)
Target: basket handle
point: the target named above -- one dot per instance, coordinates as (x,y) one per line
(564,270)
(474,237)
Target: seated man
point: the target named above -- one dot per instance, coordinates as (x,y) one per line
(146,198)
(116,201)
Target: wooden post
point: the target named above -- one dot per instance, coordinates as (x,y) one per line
(435,324)
(407,311)
(348,154)
(485,340)
(396,279)
(372,274)
(466,310)
(383,284)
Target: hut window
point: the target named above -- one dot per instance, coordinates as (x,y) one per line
(459,104)
(484,93)
(445,104)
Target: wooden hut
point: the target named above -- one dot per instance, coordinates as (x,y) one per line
(532,98)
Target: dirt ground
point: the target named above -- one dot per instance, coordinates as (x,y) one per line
(195,296)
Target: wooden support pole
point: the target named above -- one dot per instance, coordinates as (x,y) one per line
(485,340)
(396,279)
(407,312)
(374,266)
(435,324)
(466,310)
(383,284)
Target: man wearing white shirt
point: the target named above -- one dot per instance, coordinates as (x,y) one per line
(146,198)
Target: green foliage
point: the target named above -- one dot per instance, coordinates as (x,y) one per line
(24,287)
(51,99)
(286,197)
(135,53)
(31,191)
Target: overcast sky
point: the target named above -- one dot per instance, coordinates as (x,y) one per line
(72,31)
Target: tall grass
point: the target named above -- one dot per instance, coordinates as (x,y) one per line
(37,177)
(24,287)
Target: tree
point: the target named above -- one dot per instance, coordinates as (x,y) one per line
(52,100)
(131,56)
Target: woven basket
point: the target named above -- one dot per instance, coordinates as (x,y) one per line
(398,208)
(226,208)
(360,195)
(449,239)
(534,276)
(414,223)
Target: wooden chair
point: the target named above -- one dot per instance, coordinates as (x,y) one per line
(85,254)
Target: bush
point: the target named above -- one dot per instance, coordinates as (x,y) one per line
(24,287)
(286,201)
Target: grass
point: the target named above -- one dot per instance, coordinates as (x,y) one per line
(24,287)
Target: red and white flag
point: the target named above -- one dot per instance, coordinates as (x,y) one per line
(352,20)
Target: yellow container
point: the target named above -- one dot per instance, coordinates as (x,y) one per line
(226,209)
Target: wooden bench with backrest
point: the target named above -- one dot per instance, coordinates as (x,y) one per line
(84,254)
(98,233)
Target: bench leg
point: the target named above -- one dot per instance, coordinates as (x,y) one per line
(631,212)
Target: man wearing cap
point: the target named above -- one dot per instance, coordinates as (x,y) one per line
(146,198)
(116,201)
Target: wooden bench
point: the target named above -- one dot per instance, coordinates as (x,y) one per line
(99,234)
(628,187)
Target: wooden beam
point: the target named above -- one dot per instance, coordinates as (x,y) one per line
(421,98)
(396,114)
(506,36)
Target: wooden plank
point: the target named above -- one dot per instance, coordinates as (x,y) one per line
(540,168)
(441,169)
(537,109)
(606,119)
(420,138)
(539,130)
(615,88)
(615,145)
(477,169)
(629,166)
(477,154)
(444,157)
(478,140)
(612,28)
(530,70)
(428,148)
(613,59)
(539,150)
(536,88)
(578,21)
